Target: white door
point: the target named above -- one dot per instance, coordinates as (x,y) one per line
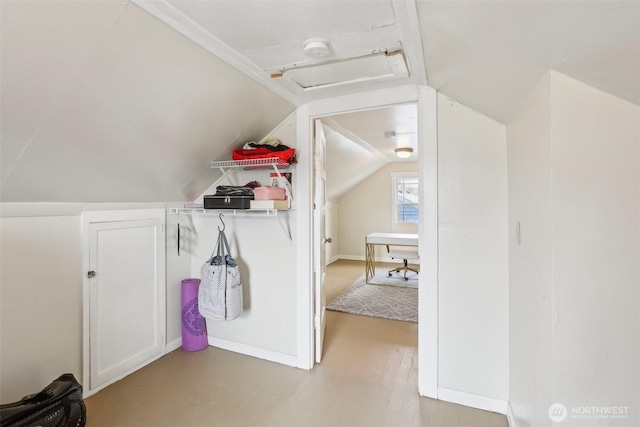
(320,239)
(126,298)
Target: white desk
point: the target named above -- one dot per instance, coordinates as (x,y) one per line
(373,239)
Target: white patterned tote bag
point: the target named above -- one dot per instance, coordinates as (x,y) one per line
(220,292)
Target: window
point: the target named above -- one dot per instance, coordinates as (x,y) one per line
(405,198)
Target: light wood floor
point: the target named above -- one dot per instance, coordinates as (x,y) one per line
(368,377)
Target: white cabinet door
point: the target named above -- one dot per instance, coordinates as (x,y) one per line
(126,293)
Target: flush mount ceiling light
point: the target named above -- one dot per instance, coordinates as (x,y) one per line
(317,48)
(403,152)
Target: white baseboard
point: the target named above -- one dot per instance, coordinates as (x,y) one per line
(260,353)
(86,392)
(509,414)
(333,259)
(350,257)
(473,400)
(173,345)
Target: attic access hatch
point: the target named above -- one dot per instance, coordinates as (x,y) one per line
(376,66)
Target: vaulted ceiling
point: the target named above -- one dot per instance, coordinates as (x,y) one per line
(114,101)
(485,54)
(489,54)
(359,143)
(101,102)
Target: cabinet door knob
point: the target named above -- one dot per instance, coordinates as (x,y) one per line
(91,274)
(328,240)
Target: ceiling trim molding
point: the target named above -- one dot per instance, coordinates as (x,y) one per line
(363,101)
(187,27)
(407,14)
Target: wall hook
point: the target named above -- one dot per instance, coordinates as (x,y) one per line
(223,224)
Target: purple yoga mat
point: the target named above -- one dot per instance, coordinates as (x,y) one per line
(194,333)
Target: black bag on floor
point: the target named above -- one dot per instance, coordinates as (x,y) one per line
(59,404)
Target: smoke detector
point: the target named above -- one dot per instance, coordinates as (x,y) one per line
(317,48)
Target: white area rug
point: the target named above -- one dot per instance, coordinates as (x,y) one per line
(398,301)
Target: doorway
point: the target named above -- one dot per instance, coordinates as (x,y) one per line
(425,98)
(362,168)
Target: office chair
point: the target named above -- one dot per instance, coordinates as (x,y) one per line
(405,254)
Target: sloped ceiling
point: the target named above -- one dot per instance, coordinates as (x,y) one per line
(490,54)
(487,55)
(262,37)
(348,162)
(357,146)
(101,102)
(371,127)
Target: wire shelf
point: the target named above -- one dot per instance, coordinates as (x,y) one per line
(251,163)
(230,212)
(237,212)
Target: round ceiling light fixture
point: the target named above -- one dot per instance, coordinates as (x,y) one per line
(317,48)
(404,152)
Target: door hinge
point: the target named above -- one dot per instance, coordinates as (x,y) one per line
(316,321)
(91,274)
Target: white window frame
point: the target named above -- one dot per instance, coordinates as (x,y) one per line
(394,199)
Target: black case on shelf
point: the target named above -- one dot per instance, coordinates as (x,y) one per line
(227,202)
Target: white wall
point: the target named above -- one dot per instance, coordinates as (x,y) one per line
(40,302)
(48,236)
(530,293)
(596,248)
(366,208)
(265,252)
(574,157)
(178,269)
(473,268)
(41,291)
(472,253)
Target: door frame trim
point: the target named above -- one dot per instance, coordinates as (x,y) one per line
(92,217)
(426,99)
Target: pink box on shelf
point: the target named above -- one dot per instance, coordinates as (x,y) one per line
(269,193)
